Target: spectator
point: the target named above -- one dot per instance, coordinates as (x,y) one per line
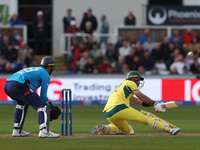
(188,36)
(89,17)
(136,63)
(18,43)
(147,61)
(88,28)
(90,42)
(78,53)
(197,52)
(105,67)
(186,71)
(129,58)
(120,64)
(31,60)
(40,33)
(193,44)
(99,58)
(95,70)
(104,30)
(176,43)
(178,65)
(125,69)
(156,53)
(139,51)
(124,50)
(189,60)
(143,37)
(73,46)
(165,51)
(1,38)
(72,28)
(16,20)
(172,58)
(111,53)
(141,69)
(184,49)
(4,45)
(89,66)
(24,51)
(67,19)
(149,44)
(15,36)
(134,42)
(11,53)
(195,67)
(19,64)
(110,70)
(171,48)
(155,71)
(118,44)
(2,64)
(82,62)
(9,67)
(93,51)
(130,19)
(176,34)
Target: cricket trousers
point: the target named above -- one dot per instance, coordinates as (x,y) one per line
(24,97)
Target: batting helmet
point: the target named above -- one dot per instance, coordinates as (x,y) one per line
(133,74)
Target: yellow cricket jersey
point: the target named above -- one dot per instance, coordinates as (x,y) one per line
(121,94)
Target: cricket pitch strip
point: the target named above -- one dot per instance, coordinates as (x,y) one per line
(82,136)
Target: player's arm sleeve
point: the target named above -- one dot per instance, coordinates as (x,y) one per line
(44,87)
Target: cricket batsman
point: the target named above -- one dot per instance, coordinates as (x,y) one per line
(118,112)
(21,87)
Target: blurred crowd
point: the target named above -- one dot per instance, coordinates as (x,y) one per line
(140,52)
(15,54)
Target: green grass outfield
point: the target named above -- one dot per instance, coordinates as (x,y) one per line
(86,117)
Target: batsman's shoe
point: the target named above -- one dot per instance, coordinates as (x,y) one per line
(17,133)
(98,129)
(45,134)
(174,131)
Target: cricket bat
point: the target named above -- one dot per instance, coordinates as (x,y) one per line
(171,104)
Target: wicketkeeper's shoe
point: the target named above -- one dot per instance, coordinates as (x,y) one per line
(44,134)
(17,133)
(98,129)
(174,131)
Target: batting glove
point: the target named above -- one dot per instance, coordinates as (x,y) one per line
(158,107)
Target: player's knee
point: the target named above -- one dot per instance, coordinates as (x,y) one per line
(21,107)
(129,130)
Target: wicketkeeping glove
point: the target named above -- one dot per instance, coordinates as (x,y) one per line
(54,112)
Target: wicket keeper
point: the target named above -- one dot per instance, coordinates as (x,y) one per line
(118,112)
(22,86)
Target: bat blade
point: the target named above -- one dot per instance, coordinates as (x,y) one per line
(169,105)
